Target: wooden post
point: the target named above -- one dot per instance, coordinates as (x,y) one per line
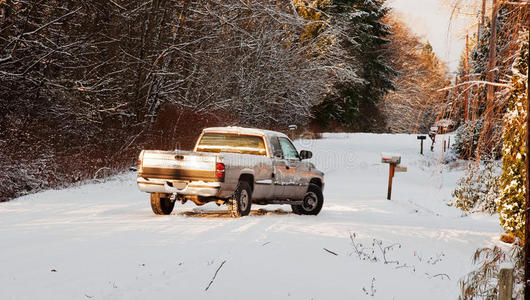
(421,138)
(505,283)
(391,171)
(445,144)
(432,135)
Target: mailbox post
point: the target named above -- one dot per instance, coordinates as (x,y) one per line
(432,134)
(393,160)
(421,138)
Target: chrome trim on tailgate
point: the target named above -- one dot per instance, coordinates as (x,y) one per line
(201,188)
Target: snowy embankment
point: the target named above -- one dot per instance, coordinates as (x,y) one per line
(101,241)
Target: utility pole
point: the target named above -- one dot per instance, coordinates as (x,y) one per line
(466,92)
(492,56)
(482,19)
(490,91)
(527,200)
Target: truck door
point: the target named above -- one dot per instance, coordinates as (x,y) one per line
(292,179)
(278,169)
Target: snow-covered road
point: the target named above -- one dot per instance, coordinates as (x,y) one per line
(101,241)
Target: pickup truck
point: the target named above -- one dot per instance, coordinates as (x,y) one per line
(235,166)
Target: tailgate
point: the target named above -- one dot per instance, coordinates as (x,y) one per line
(178,165)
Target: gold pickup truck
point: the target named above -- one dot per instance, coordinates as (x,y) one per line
(234,166)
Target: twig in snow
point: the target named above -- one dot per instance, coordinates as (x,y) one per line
(372,289)
(407,266)
(89,297)
(384,250)
(264,244)
(215,275)
(330,252)
(359,250)
(441,275)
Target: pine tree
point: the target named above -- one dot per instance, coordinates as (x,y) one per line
(511,202)
(354,106)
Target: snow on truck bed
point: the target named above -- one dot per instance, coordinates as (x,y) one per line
(101,241)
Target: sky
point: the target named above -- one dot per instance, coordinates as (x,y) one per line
(431,20)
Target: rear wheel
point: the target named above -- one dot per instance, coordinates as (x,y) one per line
(312,202)
(296,209)
(161,204)
(239,204)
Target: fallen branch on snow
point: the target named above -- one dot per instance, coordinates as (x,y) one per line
(330,252)
(215,275)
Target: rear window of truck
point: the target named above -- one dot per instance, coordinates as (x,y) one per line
(232,143)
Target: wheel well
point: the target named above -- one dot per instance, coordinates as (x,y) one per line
(249,179)
(316,181)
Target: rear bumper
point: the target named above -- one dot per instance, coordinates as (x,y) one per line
(198,188)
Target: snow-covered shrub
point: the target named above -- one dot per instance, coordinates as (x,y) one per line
(477,191)
(467,137)
(471,137)
(511,202)
(482,282)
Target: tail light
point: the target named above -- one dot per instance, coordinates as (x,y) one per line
(220,171)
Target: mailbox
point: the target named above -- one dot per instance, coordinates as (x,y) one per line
(421,137)
(389,158)
(433,129)
(293,127)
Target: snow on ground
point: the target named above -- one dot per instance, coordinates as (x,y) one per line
(101,241)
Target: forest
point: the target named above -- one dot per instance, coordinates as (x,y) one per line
(84,85)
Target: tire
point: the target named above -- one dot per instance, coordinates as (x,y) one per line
(313,202)
(240,203)
(161,204)
(296,209)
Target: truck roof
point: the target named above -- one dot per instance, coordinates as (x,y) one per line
(244,130)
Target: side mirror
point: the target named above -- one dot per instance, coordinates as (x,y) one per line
(305,154)
(278,154)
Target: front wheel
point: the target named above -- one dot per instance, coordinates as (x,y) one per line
(312,203)
(161,204)
(239,204)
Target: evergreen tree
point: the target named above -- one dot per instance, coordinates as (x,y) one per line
(367,37)
(511,202)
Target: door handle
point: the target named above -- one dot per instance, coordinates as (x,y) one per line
(287,167)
